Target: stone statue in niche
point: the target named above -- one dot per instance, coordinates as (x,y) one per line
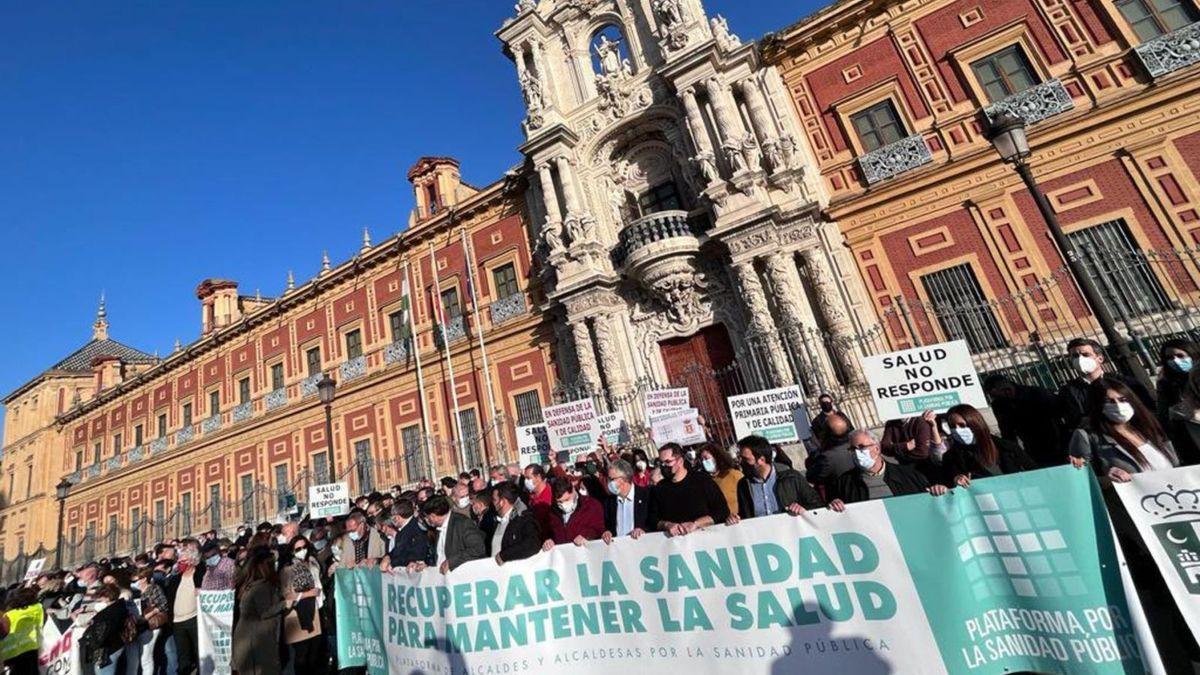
(706,162)
(733,154)
(669,13)
(552,233)
(751,152)
(531,88)
(726,40)
(611,63)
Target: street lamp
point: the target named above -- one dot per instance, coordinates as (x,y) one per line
(60,492)
(325,391)
(1007,134)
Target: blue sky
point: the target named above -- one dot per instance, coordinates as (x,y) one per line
(149,144)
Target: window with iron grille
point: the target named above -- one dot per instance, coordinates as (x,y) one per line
(1004,73)
(320,467)
(1115,261)
(247,498)
(214,503)
(470,439)
(396,323)
(185,514)
(160,520)
(354,344)
(364,465)
(135,525)
(277,376)
(878,126)
(112,534)
(450,305)
(661,197)
(1152,18)
(312,359)
(962,309)
(187,414)
(529,408)
(504,279)
(281,486)
(414,454)
(244,390)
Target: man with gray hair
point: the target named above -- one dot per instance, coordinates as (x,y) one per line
(627,508)
(876,477)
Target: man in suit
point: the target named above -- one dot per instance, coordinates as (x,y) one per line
(458,538)
(411,543)
(627,509)
(517,534)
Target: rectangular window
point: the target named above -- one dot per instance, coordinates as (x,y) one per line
(111,534)
(397,325)
(214,403)
(162,425)
(450,305)
(247,497)
(529,408)
(354,344)
(1152,18)
(281,486)
(277,376)
(214,505)
(414,454)
(312,359)
(12,486)
(364,466)
(504,279)
(135,529)
(1004,73)
(320,467)
(117,443)
(661,197)
(185,514)
(96,452)
(244,390)
(1116,263)
(470,439)
(187,415)
(962,309)
(78,462)
(160,520)
(137,436)
(878,126)
(28,482)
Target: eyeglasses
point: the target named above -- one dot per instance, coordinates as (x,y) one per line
(866,446)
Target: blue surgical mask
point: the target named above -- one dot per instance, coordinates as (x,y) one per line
(864,459)
(212,560)
(964,435)
(612,488)
(319,544)
(1182,363)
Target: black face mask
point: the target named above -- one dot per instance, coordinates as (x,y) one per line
(667,471)
(826,407)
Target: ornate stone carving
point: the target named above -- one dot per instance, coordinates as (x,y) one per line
(609,357)
(750,152)
(612,65)
(706,164)
(581,228)
(584,353)
(734,155)
(788,294)
(672,19)
(552,236)
(1171,52)
(821,280)
(726,40)
(523,6)
(531,90)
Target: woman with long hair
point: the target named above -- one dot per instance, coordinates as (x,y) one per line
(300,582)
(1122,437)
(973,451)
(1183,420)
(261,608)
(1175,358)
(717,463)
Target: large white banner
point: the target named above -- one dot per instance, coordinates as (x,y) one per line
(935,377)
(1165,507)
(214,630)
(59,654)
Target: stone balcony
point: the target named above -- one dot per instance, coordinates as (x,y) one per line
(506,309)
(894,159)
(650,238)
(1035,103)
(1171,52)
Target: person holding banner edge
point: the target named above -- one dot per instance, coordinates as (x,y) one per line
(684,501)
(627,509)
(877,478)
(767,487)
(974,452)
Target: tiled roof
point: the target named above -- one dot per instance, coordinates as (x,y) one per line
(81,360)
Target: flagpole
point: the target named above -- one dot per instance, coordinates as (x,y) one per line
(469,257)
(437,305)
(416,352)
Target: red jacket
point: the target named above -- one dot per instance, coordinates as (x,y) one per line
(587,521)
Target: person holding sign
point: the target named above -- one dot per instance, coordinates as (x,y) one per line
(684,501)
(627,509)
(576,518)
(975,453)
(877,478)
(769,488)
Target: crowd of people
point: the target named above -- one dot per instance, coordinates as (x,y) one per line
(139,613)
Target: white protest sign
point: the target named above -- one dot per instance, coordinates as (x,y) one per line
(35,568)
(778,415)
(59,654)
(214,632)
(533,444)
(613,428)
(330,499)
(660,401)
(911,381)
(572,427)
(682,427)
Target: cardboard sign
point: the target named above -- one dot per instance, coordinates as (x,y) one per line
(35,568)
(778,415)
(613,428)
(682,427)
(533,444)
(572,427)
(936,377)
(330,499)
(661,401)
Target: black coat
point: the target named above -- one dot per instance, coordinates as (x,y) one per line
(1027,418)
(464,541)
(412,545)
(961,459)
(901,478)
(791,487)
(1072,399)
(642,518)
(487,525)
(522,538)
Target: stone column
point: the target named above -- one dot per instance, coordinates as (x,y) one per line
(585,354)
(764,125)
(729,125)
(567,177)
(610,357)
(552,229)
(762,327)
(830,304)
(704,158)
(799,323)
(519,59)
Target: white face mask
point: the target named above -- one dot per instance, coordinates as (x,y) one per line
(529,484)
(1118,413)
(863,459)
(964,435)
(301,554)
(641,465)
(568,507)
(281,540)
(691,455)
(1086,365)
(462,502)
(355,536)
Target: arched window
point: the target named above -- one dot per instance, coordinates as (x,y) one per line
(610,52)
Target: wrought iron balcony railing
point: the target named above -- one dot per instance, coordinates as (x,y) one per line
(1171,52)
(355,367)
(185,435)
(509,308)
(1035,103)
(242,412)
(158,445)
(308,386)
(276,399)
(211,424)
(455,328)
(397,352)
(137,454)
(894,159)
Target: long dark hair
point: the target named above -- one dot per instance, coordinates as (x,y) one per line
(1164,359)
(720,456)
(988,452)
(1143,420)
(259,566)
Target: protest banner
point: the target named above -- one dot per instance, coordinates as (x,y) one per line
(533,444)
(35,568)
(329,499)
(572,427)
(59,653)
(613,428)
(935,377)
(778,415)
(1165,507)
(681,426)
(214,632)
(659,401)
(1015,573)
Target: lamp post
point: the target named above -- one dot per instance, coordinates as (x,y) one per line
(1008,137)
(325,391)
(60,492)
